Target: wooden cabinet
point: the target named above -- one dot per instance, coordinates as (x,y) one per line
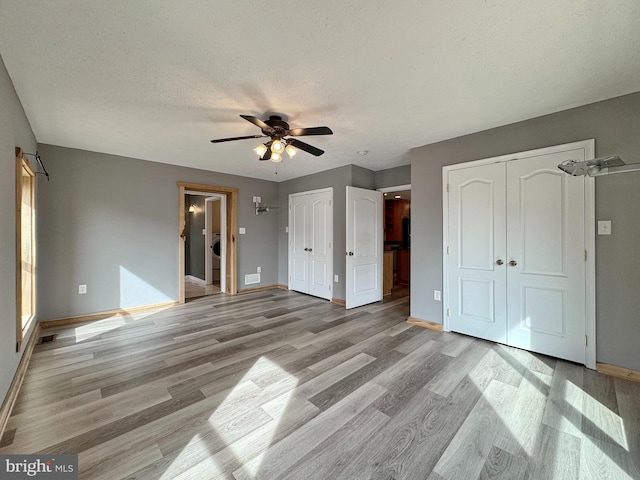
(394,212)
(404,266)
(387,273)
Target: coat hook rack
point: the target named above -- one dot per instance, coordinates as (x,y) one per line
(39,160)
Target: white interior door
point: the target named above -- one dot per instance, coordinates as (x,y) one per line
(516,269)
(298,243)
(320,244)
(546,270)
(364,247)
(477,252)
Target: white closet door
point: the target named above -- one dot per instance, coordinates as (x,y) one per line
(546,263)
(320,244)
(477,246)
(299,243)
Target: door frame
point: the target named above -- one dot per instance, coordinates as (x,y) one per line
(290,245)
(590,233)
(208,247)
(231,195)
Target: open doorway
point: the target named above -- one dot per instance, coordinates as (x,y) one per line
(207,246)
(397,239)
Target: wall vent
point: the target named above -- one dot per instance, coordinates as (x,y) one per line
(252,278)
(47,338)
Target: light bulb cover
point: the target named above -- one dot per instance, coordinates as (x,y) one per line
(290,151)
(276,146)
(192,208)
(276,157)
(260,150)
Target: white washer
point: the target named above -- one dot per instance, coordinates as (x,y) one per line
(215,258)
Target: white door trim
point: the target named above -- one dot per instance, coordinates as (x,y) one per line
(209,240)
(589,217)
(398,188)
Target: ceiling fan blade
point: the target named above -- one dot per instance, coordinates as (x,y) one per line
(220,140)
(258,123)
(267,154)
(305,146)
(298,132)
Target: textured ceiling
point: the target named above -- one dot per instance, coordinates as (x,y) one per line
(157,79)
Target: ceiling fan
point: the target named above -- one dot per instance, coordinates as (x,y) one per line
(277,129)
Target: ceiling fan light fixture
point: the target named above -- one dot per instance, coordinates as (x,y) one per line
(277,146)
(276,157)
(260,150)
(290,151)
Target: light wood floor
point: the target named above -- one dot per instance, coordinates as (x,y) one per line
(277,384)
(195,287)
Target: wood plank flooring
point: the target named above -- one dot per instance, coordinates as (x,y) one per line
(277,384)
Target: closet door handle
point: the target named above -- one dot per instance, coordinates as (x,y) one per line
(513,263)
(306,249)
(499,262)
(310,249)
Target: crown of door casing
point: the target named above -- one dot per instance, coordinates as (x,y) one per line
(232,227)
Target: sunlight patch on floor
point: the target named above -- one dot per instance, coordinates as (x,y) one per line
(98,327)
(245,428)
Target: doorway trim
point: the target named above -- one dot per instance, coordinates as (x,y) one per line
(208,208)
(231,195)
(589,234)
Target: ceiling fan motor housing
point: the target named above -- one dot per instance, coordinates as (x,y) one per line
(280,127)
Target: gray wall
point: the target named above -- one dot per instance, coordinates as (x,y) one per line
(15,131)
(194,248)
(111,223)
(614,126)
(393,177)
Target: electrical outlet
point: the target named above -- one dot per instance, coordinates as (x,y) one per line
(259,270)
(82,289)
(604,227)
(437,295)
(242,230)
(335,278)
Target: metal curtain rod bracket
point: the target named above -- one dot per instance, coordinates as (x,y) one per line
(39,160)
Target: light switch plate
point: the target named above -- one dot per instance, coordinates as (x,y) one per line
(242,230)
(437,295)
(604,227)
(335,278)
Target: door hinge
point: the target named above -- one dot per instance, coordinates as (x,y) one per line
(585,255)
(448,312)
(329,287)
(329,202)
(447,188)
(585,340)
(448,250)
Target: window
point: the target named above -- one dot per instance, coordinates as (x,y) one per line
(25,247)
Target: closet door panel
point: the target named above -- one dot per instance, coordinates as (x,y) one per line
(546,269)
(476,280)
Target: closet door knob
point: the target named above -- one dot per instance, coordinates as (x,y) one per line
(310,249)
(499,262)
(513,263)
(306,249)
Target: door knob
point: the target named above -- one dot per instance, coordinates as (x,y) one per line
(306,249)
(513,263)
(499,262)
(351,254)
(310,249)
